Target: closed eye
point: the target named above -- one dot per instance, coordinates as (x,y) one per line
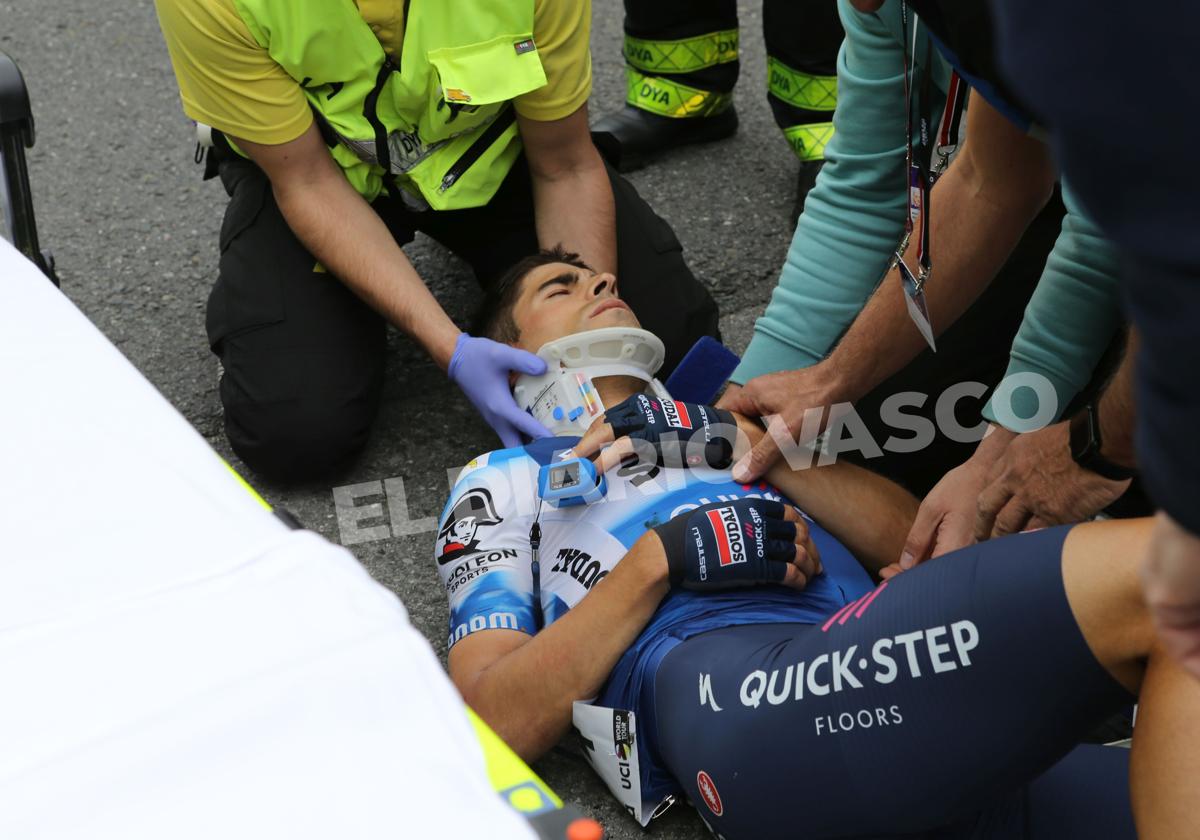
(561,284)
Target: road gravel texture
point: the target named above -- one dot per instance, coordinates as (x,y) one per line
(134,230)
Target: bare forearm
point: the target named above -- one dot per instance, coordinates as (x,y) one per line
(979,210)
(575,208)
(527,695)
(970,239)
(342,231)
(868,514)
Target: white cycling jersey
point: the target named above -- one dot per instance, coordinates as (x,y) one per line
(483,550)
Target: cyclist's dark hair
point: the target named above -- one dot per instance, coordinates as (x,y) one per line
(494,317)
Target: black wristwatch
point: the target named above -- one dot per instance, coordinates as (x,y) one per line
(1085,447)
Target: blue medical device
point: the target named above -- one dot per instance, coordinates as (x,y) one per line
(571,482)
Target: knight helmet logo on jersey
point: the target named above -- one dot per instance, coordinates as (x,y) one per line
(460,534)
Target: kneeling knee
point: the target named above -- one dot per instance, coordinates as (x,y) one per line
(292,442)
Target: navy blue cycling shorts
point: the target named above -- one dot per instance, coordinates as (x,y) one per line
(924,709)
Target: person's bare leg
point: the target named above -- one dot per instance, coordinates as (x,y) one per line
(1164,768)
(1100,562)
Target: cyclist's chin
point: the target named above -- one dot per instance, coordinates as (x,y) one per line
(617,316)
(532,338)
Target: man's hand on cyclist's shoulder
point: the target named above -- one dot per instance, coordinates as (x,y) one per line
(786,399)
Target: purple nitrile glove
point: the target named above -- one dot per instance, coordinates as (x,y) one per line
(480,367)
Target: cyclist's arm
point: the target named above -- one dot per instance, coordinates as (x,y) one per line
(868,514)
(523,685)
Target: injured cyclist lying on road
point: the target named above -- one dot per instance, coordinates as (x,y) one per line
(728,643)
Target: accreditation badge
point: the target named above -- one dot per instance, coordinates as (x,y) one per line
(914,301)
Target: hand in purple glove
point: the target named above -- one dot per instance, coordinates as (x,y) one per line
(481,367)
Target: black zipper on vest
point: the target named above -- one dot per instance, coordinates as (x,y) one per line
(383,155)
(486,138)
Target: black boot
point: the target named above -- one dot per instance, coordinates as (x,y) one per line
(804,183)
(631,136)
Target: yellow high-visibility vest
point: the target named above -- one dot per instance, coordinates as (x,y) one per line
(436,120)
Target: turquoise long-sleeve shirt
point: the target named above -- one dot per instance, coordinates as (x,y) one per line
(854,217)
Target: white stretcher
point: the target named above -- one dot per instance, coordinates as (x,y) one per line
(174,660)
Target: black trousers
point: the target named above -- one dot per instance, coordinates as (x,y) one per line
(303,357)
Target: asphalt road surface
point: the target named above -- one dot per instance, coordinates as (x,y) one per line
(134,230)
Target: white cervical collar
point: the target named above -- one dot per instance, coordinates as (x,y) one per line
(564,399)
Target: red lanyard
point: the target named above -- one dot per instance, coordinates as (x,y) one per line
(947,142)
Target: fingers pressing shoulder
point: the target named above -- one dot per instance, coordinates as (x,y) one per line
(615,454)
(597,435)
(734,398)
(757,461)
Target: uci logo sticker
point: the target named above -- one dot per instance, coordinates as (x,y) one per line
(727,528)
(676,414)
(526,46)
(622,735)
(708,792)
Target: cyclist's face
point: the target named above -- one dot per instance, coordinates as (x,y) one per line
(558,300)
